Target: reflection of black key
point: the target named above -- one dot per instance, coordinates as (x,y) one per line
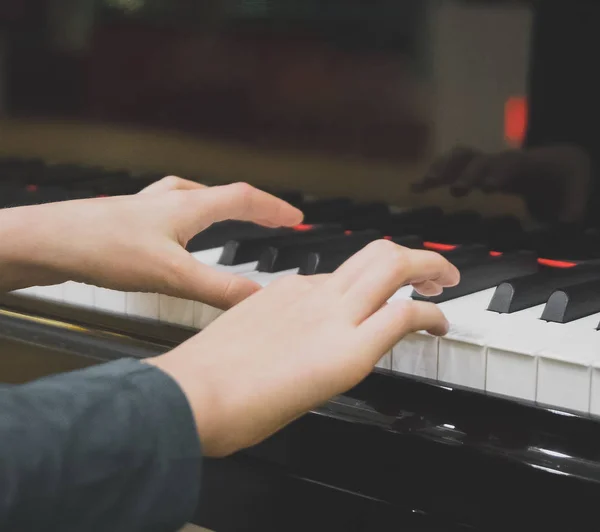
(329,260)
(61,174)
(504,233)
(573,302)
(486,273)
(289,256)
(411,221)
(21,171)
(366,216)
(244,250)
(218,234)
(35,195)
(115,183)
(564,242)
(531,290)
(326,210)
(457,228)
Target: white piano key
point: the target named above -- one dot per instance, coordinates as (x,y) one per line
(462,353)
(176,310)
(142,305)
(79,294)
(565,371)
(238,269)
(385,362)
(47,293)
(265,278)
(110,300)
(54,292)
(208,256)
(204,315)
(417,353)
(30,291)
(595,388)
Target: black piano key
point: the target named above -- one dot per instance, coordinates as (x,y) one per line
(573,302)
(487,273)
(457,228)
(244,250)
(218,234)
(531,290)
(466,254)
(329,260)
(289,256)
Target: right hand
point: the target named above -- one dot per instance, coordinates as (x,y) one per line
(302,340)
(554,180)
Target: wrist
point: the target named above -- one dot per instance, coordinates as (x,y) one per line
(197,386)
(22,250)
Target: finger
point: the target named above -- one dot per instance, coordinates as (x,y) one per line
(238,202)
(171,182)
(446,169)
(369,278)
(386,327)
(473,174)
(195,281)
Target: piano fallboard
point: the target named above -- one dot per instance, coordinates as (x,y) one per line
(393,452)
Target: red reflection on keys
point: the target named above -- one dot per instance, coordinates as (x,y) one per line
(303,227)
(437,246)
(495,253)
(31,188)
(556,263)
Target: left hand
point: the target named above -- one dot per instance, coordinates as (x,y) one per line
(135,243)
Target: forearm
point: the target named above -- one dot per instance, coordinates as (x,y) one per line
(108,448)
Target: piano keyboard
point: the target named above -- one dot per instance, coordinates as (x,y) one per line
(524,318)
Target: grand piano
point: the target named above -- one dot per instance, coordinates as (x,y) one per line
(340,108)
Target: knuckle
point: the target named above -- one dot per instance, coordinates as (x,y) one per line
(383,247)
(171,180)
(242,189)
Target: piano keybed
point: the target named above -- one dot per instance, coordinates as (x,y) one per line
(524,318)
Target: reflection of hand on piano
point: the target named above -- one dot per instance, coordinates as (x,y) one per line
(135,243)
(302,340)
(554,180)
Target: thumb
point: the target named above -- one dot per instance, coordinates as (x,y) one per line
(196,281)
(392,322)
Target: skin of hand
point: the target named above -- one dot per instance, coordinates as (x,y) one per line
(134,243)
(553,179)
(302,340)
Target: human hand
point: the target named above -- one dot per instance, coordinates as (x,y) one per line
(554,180)
(135,243)
(302,340)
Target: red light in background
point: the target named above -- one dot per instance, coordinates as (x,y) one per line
(515,121)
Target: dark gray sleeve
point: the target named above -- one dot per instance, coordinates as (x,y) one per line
(110,448)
